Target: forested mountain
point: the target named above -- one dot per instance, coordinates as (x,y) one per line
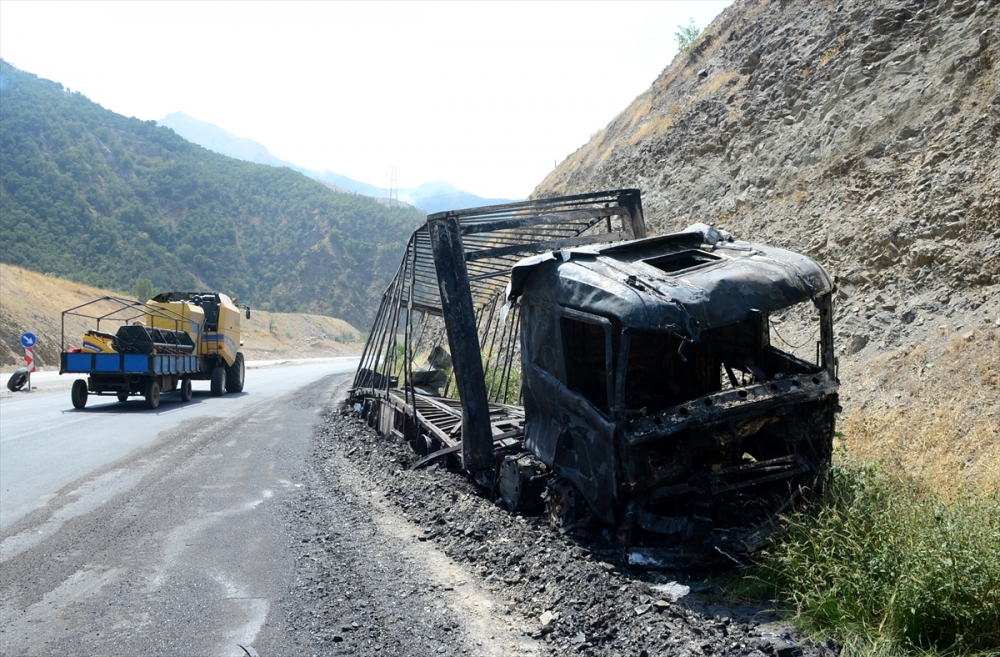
(102,199)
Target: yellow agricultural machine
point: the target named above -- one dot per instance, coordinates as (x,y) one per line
(159,346)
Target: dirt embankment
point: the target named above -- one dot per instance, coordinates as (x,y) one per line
(865,135)
(31,302)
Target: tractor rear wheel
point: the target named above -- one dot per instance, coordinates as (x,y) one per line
(235,375)
(79,393)
(218,381)
(152,394)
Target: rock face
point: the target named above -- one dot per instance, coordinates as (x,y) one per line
(861,133)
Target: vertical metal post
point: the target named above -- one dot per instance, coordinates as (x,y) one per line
(460,321)
(631,200)
(826,334)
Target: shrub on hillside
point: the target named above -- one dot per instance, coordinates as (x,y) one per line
(887,568)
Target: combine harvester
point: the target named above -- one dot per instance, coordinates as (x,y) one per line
(620,380)
(159,346)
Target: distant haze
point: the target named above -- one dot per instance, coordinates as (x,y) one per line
(488,96)
(430,197)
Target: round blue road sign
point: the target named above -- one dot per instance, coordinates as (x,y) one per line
(28,340)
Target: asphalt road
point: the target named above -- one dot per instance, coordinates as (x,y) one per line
(46,444)
(130,531)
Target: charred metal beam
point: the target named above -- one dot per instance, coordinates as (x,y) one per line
(460,321)
(548,245)
(562,217)
(631,201)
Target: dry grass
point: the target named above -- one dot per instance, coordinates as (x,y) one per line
(32,302)
(937,416)
(656,125)
(830,53)
(639,109)
(712,85)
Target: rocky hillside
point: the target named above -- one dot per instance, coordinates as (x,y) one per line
(864,134)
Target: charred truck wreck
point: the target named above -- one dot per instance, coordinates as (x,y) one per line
(654,400)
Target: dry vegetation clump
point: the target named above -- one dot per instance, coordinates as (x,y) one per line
(937,416)
(901,556)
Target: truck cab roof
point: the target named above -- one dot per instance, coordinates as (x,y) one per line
(681,282)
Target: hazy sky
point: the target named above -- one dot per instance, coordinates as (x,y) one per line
(483,95)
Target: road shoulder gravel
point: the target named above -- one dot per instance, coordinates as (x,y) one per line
(398,561)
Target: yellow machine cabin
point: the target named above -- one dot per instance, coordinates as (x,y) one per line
(211,319)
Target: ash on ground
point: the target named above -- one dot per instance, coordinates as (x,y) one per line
(367,586)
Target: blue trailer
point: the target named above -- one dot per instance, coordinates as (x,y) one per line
(124,374)
(137,360)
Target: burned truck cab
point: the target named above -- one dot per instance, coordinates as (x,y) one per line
(653,390)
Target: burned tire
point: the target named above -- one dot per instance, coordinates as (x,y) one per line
(218,381)
(186,392)
(17,379)
(123,396)
(235,375)
(79,393)
(152,394)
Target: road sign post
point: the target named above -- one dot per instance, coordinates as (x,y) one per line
(28,341)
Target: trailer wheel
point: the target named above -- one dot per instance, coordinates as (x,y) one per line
(218,381)
(186,392)
(235,375)
(152,394)
(123,396)
(79,393)
(562,504)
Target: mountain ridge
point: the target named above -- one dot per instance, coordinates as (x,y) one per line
(436,196)
(104,200)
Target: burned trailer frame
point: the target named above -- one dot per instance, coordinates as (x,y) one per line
(653,398)
(454,272)
(653,392)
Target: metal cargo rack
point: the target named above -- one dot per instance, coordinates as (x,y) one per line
(124,312)
(450,290)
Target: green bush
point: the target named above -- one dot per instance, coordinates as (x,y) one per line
(686,36)
(143,290)
(501,389)
(886,568)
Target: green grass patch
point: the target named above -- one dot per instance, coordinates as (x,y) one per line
(887,568)
(502,389)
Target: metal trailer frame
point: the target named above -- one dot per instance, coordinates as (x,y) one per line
(455,268)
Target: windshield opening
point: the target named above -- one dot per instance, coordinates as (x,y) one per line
(665,370)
